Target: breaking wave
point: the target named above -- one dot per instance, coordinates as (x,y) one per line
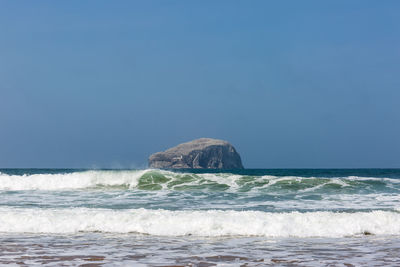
(211,223)
(152,179)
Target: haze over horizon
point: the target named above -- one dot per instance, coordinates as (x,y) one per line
(101,84)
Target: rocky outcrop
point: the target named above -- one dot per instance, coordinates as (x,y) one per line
(203,153)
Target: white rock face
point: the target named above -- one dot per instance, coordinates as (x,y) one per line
(203,153)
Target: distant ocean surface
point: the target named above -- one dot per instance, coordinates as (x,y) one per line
(254,217)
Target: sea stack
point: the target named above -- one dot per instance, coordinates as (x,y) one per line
(203,153)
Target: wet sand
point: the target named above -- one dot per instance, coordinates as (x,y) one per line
(97,249)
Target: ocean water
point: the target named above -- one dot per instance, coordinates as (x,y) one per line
(340,217)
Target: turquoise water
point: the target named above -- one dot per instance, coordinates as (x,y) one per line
(230,218)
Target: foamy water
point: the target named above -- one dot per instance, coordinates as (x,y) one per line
(211,223)
(228,219)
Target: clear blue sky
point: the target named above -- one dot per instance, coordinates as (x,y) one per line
(288,83)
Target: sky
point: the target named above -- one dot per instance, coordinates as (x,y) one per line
(291,84)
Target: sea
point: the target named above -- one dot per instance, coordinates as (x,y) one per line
(151,217)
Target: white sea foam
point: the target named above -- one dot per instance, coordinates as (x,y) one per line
(75,180)
(360,178)
(130,179)
(211,223)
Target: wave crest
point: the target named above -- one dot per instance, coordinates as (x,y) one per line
(152,179)
(211,223)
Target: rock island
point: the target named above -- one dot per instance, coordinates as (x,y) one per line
(203,153)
